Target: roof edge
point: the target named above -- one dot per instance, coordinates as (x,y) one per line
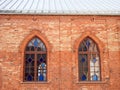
(16,12)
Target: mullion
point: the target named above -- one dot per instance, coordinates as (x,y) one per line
(35,68)
(82,64)
(88,66)
(85,45)
(87,62)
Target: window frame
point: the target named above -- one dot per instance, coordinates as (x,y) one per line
(88,53)
(101,47)
(24,42)
(103,57)
(35,52)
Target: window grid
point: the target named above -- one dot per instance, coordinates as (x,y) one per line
(89,61)
(31,65)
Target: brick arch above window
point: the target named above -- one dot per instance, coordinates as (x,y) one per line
(28,38)
(93,37)
(99,44)
(35,33)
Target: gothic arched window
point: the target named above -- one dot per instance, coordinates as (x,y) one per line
(89,61)
(35,64)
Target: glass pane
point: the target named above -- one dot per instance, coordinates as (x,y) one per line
(39,49)
(30,44)
(91,63)
(98,74)
(32,48)
(87,42)
(27,48)
(83,68)
(29,56)
(97,62)
(41,62)
(44,57)
(41,77)
(83,60)
(43,48)
(29,60)
(84,77)
(43,65)
(84,48)
(36,43)
(29,67)
(41,58)
(94,67)
(41,73)
(97,69)
(91,46)
(29,70)
(95,48)
(29,77)
(81,47)
(95,76)
(94,59)
(44,74)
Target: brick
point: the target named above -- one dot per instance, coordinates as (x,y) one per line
(61,34)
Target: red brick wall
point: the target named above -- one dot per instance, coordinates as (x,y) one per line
(62,35)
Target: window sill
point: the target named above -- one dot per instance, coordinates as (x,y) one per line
(91,82)
(36,82)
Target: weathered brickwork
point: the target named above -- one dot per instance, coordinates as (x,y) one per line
(62,35)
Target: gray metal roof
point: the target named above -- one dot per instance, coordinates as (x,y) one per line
(60,7)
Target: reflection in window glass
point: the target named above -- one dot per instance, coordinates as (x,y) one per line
(35,68)
(89,63)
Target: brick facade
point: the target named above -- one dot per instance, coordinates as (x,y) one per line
(61,35)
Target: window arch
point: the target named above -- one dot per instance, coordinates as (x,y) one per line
(89,60)
(35,63)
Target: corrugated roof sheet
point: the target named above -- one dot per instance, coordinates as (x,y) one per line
(60,7)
